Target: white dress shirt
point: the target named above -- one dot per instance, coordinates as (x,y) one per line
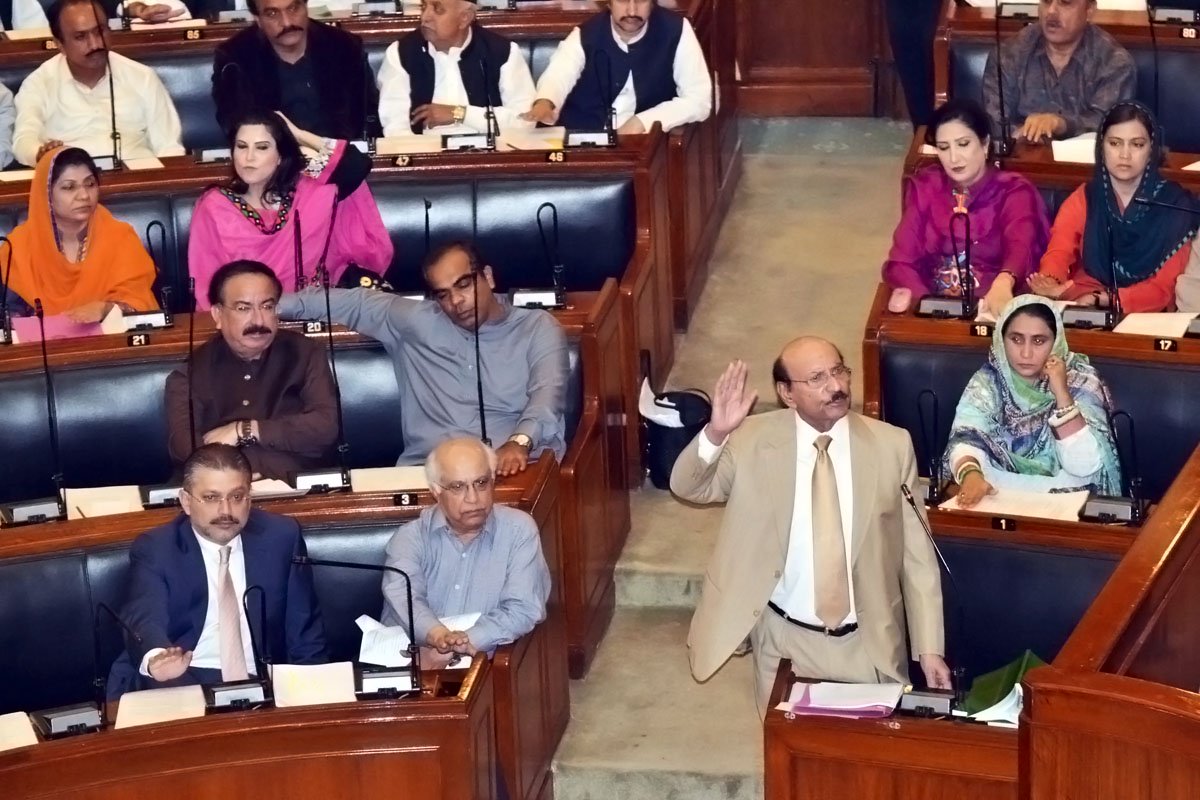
(51,104)
(796,591)
(395,98)
(8,113)
(207,654)
(27,14)
(693,84)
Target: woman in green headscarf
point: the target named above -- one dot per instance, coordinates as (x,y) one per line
(1035,417)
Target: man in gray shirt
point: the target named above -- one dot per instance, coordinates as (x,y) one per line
(1060,76)
(466,555)
(523,354)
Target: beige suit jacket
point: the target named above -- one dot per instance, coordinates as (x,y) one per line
(893,562)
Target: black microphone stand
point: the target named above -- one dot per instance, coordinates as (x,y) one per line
(1003,146)
(1130,508)
(489,113)
(483,437)
(117,162)
(6,336)
(255,691)
(413,672)
(51,414)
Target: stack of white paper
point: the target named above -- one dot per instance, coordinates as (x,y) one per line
(536,139)
(843,699)
(312,684)
(389,479)
(1079,149)
(102,501)
(16,731)
(14,175)
(1193,167)
(1063,506)
(408,145)
(139,164)
(1161,325)
(160,705)
(28,33)
(1006,713)
(266,488)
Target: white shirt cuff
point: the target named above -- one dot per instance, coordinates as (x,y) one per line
(144,669)
(708,451)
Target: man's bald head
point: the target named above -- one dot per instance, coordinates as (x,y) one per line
(462,476)
(811,377)
(444,23)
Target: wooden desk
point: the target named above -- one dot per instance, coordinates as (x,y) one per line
(1117,714)
(820,758)
(431,746)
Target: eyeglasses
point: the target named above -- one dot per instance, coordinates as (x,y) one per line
(270,308)
(212,499)
(459,488)
(838,373)
(461,285)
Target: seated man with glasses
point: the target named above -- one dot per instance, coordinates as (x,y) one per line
(253,386)
(522,353)
(188,579)
(466,555)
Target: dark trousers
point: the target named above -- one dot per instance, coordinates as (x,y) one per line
(195,676)
(912,25)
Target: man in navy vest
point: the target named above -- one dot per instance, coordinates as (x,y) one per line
(641,61)
(441,77)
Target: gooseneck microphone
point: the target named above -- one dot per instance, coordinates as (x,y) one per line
(604,78)
(298,251)
(489,112)
(966,273)
(478,276)
(930,443)
(5,320)
(98,679)
(414,649)
(102,25)
(262,657)
(1003,144)
(550,250)
(1145,201)
(343,447)
(190,362)
(1114,290)
(51,413)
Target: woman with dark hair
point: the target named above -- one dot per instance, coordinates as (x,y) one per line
(1035,417)
(1101,230)
(276,204)
(1008,220)
(71,253)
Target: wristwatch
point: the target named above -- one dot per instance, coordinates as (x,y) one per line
(459,114)
(521,440)
(246,436)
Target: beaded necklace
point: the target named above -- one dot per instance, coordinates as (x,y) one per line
(285,205)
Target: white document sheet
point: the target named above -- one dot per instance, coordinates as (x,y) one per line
(265,488)
(16,731)
(1063,506)
(29,33)
(312,684)
(142,25)
(536,139)
(386,646)
(141,164)
(15,175)
(102,501)
(1193,167)
(389,479)
(844,696)
(160,705)
(1079,149)
(411,144)
(1108,5)
(1006,713)
(1164,325)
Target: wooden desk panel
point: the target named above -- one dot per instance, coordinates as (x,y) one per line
(819,758)
(437,747)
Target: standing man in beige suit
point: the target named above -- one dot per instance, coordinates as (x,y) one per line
(819,558)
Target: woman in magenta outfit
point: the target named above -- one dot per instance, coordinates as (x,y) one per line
(256,214)
(1008,219)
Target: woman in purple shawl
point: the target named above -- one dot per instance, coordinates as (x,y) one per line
(1008,220)
(289,216)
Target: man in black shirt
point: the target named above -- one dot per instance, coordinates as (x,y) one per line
(315,74)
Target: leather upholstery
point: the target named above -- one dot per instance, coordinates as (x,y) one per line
(188,78)
(597,232)
(1177,104)
(100,406)
(1158,398)
(1014,597)
(47,610)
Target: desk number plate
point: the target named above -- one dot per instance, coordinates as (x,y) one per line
(556,156)
(406,498)
(1166,345)
(1188,32)
(137,339)
(981,330)
(313,327)
(1004,524)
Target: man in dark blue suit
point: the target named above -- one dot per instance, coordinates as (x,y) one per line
(188,578)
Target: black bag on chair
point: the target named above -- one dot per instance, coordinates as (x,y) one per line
(664,444)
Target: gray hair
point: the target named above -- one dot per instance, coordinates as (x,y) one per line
(433,464)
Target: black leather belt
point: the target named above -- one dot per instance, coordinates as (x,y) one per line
(842,631)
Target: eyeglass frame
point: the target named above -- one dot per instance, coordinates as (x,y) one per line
(817,381)
(216,502)
(459,488)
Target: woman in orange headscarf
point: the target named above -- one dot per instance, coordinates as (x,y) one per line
(71,253)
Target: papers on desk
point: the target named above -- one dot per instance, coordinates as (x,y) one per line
(1006,713)
(408,145)
(311,684)
(28,33)
(1193,167)
(160,705)
(16,731)
(139,164)
(1162,325)
(928,150)
(1108,5)
(267,488)
(388,479)
(15,175)
(854,700)
(60,326)
(142,25)
(1063,506)
(536,139)
(386,646)
(1079,149)
(102,501)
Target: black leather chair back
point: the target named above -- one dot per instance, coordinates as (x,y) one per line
(1007,598)
(346,594)
(1156,396)
(1177,104)
(113,429)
